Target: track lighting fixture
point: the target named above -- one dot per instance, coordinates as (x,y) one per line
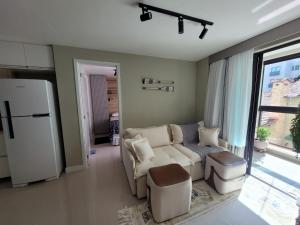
(203,32)
(145,15)
(180,25)
(148,16)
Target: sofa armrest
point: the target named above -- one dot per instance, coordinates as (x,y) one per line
(129,164)
(222,143)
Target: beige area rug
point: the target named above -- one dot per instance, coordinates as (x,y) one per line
(204,199)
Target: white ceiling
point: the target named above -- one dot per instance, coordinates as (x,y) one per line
(114,25)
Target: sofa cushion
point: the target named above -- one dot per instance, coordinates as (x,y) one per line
(162,156)
(193,156)
(130,133)
(157,136)
(176,134)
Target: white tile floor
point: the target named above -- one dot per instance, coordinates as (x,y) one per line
(89,197)
(93,197)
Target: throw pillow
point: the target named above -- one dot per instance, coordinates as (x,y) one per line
(143,150)
(176,134)
(208,136)
(128,144)
(190,133)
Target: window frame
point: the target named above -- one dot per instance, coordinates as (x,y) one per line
(258,66)
(279,109)
(276,109)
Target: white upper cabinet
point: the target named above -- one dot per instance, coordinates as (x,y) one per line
(26,55)
(38,56)
(12,54)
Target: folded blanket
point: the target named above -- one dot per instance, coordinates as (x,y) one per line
(203,150)
(191,140)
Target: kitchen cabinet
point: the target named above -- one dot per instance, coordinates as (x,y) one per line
(21,55)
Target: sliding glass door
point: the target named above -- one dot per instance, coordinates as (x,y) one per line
(280,97)
(275,99)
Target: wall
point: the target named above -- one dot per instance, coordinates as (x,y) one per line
(140,108)
(272,37)
(202,79)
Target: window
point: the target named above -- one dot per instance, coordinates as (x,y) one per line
(275,71)
(279,99)
(296,67)
(279,125)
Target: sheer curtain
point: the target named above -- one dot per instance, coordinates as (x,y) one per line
(213,114)
(237,100)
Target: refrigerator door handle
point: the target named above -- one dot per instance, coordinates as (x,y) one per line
(9,121)
(41,115)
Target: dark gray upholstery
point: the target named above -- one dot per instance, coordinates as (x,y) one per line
(191,141)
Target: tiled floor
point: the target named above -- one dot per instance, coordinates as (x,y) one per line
(94,196)
(277,172)
(272,205)
(90,197)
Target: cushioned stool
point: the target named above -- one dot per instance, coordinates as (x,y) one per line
(169,191)
(225,172)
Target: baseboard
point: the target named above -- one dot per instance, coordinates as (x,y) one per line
(71,169)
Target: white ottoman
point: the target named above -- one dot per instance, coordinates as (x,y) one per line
(169,191)
(225,172)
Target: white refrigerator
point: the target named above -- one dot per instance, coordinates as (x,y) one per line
(30,129)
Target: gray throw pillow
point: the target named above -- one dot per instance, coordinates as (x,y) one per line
(190,133)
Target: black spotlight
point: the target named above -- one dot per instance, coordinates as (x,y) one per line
(146,15)
(180,25)
(203,33)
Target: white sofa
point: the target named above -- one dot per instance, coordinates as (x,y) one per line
(165,152)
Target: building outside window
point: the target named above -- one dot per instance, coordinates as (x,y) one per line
(280,97)
(275,71)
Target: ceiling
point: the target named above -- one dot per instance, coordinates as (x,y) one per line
(114,25)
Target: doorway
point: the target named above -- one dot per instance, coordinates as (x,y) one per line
(99,106)
(275,100)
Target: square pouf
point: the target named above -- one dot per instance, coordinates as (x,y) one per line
(225,172)
(169,191)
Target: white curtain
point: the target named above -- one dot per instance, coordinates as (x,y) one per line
(213,114)
(237,100)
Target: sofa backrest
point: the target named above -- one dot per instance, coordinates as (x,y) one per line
(157,136)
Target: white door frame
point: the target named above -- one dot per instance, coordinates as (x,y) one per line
(77,63)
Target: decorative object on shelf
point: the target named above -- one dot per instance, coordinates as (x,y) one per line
(295,132)
(261,143)
(146,15)
(148,80)
(164,88)
(158,85)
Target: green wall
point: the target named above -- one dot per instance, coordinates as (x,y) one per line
(201,87)
(140,108)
